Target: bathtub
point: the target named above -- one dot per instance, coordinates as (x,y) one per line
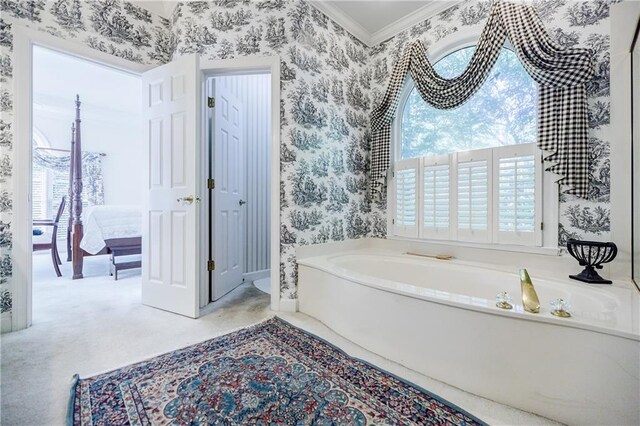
(439,318)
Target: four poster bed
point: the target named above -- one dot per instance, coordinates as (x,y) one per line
(113,230)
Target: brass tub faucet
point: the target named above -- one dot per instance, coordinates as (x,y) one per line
(530,299)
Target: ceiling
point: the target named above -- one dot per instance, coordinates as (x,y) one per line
(372,21)
(49,65)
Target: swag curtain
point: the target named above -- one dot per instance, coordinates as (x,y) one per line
(561,75)
(92,180)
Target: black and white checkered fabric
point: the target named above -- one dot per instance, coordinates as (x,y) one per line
(561,75)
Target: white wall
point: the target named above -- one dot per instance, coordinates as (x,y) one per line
(254,92)
(110,113)
(624,17)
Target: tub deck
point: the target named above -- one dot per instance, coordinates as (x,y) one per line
(610,309)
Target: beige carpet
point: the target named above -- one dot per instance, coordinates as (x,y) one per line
(98,324)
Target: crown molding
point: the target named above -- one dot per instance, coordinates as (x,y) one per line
(427,11)
(163,8)
(432,8)
(344,20)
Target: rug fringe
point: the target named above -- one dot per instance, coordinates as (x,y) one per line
(72,399)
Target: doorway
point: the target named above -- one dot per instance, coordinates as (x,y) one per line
(184,78)
(239,156)
(104,121)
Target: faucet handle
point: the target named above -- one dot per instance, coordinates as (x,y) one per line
(560,308)
(503,300)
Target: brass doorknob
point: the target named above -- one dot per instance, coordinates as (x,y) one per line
(189,199)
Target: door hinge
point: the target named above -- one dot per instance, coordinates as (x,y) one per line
(211,183)
(211,265)
(211,102)
(542,226)
(393,221)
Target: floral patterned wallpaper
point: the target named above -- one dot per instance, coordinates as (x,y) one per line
(570,23)
(330,83)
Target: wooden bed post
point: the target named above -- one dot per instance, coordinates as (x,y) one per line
(76,212)
(70,196)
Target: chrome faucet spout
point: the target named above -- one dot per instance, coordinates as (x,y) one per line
(530,299)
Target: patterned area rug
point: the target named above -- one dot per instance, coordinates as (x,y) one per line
(270,373)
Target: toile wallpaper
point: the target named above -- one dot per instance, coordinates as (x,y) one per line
(324,111)
(330,83)
(571,23)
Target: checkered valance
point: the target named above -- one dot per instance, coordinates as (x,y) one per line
(561,75)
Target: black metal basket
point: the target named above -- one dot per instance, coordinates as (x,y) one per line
(591,255)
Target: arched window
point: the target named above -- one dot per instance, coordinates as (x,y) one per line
(502,112)
(472,173)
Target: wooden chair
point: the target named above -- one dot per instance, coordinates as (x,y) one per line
(53,245)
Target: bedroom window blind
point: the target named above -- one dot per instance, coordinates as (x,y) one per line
(489,195)
(39,192)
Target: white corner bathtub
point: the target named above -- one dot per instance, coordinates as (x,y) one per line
(439,318)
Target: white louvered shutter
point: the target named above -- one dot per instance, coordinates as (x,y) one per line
(516,175)
(406,198)
(39,192)
(474,195)
(436,197)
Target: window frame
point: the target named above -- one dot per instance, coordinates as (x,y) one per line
(547,203)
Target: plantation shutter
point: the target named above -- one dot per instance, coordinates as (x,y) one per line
(406,203)
(517,170)
(39,193)
(436,192)
(474,195)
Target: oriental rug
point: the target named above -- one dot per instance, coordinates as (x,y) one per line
(271,373)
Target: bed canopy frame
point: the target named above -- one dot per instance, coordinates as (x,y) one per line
(75,230)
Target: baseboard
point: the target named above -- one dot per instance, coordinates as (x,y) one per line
(5,323)
(256,275)
(289,305)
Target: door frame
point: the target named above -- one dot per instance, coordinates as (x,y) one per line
(23,41)
(242,66)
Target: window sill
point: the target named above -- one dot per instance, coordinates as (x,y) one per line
(546,251)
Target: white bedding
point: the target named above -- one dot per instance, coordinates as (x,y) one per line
(106,222)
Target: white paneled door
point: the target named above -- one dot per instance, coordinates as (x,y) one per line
(170,255)
(228,170)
